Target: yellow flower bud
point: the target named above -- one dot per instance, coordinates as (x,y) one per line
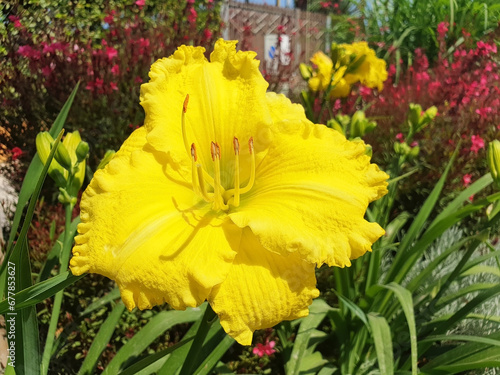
(305,71)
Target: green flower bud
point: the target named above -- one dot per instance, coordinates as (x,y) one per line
(414,152)
(105,160)
(305,71)
(334,124)
(62,157)
(43,146)
(494,160)
(414,116)
(82,150)
(357,124)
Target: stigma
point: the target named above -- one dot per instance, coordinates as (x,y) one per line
(209,187)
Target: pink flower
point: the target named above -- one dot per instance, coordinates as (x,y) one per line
(414,144)
(138,79)
(115,70)
(111,52)
(442,28)
(207,34)
(29,52)
(15,20)
(113,86)
(191,2)
(477,143)
(46,71)
(325,4)
(483,112)
(192,15)
(400,137)
(466,179)
(140,3)
(365,92)
(16,153)
(264,349)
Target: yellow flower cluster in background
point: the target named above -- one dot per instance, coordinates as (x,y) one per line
(347,65)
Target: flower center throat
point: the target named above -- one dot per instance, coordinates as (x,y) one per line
(209,187)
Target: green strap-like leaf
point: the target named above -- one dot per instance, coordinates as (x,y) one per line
(101,340)
(382,339)
(317,313)
(41,291)
(142,339)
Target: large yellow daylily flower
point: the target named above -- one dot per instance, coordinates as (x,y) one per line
(227,194)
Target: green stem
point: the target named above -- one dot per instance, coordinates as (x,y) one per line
(192,358)
(63,260)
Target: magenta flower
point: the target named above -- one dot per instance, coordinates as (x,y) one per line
(111,52)
(466,179)
(140,3)
(115,70)
(192,16)
(264,349)
(15,20)
(207,34)
(477,143)
(442,28)
(483,112)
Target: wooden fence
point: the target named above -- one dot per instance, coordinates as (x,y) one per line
(257,27)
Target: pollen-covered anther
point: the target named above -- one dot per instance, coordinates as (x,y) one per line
(193,152)
(250,145)
(185,104)
(236,145)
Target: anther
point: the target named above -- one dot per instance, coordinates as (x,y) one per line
(193,152)
(250,145)
(213,151)
(183,123)
(185,105)
(236,145)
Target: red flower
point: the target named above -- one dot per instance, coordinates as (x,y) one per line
(264,349)
(400,137)
(115,70)
(16,153)
(113,86)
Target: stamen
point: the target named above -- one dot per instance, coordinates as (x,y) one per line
(251,181)
(183,122)
(193,169)
(236,198)
(218,191)
(201,182)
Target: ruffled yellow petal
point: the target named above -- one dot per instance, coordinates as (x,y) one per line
(262,289)
(148,231)
(311,192)
(226,100)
